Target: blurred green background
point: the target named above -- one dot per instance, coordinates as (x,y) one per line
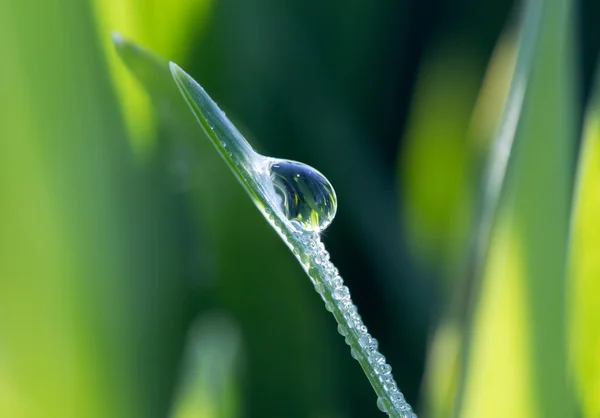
(137,279)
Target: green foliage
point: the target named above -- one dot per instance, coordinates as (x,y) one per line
(136,279)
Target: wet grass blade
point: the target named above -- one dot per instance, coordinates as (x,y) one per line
(250,170)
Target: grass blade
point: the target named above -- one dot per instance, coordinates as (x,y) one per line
(584,266)
(252,172)
(529,241)
(222,236)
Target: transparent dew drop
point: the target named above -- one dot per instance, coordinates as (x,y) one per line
(381,405)
(306,196)
(319,287)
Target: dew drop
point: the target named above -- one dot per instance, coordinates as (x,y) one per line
(353,354)
(341,293)
(385,369)
(397,399)
(306,196)
(381,405)
(329,306)
(337,282)
(319,287)
(223,144)
(364,340)
(342,330)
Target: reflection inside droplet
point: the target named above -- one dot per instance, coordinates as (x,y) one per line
(305,196)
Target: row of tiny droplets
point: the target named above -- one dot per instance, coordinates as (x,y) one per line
(318,255)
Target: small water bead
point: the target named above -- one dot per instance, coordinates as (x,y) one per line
(329,306)
(341,293)
(331,270)
(403,406)
(381,405)
(353,354)
(345,303)
(372,346)
(364,341)
(397,399)
(376,358)
(342,330)
(389,384)
(223,144)
(385,369)
(319,287)
(306,196)
(337,282)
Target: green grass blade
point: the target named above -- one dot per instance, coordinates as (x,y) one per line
(584,266)
(251,170)
(528,247)
(222,237)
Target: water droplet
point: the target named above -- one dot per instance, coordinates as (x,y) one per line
(381,405)
(341,293)
(389,385)
(223,144)
(397,399)
(329,306)
(372,346)
(306,196)
(353,354)
(364,340)
(345,304)
(342,330)
(319,287)
(337,282)
(385,369)
(376,358)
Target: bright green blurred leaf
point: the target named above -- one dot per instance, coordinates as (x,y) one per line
(584,268)
(92,311)
(535,218)
(164,26)
(210,381)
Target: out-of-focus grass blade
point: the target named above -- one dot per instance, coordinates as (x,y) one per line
(91,296)
(529,242)
(210,386)
(153,24)
(437,159)
(584,268)
(491,128)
